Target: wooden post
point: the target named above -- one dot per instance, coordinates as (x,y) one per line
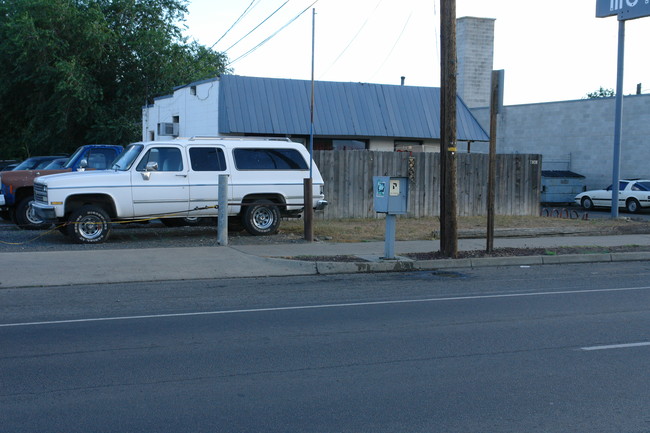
(492,165)
(309,210)
(448,70)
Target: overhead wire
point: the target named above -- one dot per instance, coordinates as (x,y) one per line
(256,27)
(394,45)
(246,11)
(273,34)
(353,38)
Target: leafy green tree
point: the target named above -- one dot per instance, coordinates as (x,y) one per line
(79,71)
(601,93)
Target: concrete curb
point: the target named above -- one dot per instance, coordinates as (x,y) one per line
(324,267)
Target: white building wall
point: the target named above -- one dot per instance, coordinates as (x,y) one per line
(196,106)
(577,136)
(386,144)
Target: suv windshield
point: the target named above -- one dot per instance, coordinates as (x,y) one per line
(125,160)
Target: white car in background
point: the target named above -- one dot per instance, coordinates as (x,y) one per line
(633,196)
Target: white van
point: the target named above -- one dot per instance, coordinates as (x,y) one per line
(178,179)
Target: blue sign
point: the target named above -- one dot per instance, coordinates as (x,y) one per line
(624,9)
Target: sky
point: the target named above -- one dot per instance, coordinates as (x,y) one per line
(550,50)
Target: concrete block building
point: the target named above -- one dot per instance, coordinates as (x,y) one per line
(578,136)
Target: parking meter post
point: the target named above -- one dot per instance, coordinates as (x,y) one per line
(389,244)
(222,214)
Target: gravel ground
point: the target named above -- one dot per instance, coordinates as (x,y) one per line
(155,235)
(151,235)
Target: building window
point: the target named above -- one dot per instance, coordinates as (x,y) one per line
(338,144)
(408,146)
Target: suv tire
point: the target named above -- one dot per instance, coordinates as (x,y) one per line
(25,217)
(261,218)
(89,225)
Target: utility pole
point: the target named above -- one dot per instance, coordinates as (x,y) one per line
(492,162)
(448,68)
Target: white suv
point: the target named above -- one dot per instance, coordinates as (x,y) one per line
(178,179)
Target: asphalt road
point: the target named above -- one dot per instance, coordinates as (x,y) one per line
(519,349)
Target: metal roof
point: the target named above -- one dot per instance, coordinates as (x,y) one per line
(251,105)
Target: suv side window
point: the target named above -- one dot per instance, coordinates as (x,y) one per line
(167,158)
(269,159)
(207,159)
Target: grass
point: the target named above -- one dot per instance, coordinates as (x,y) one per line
(373,229)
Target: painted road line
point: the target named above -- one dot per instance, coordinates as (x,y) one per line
(616,346)
(325,306)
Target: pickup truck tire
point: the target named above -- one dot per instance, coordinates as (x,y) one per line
(25,217)
(89,225)
(261,218)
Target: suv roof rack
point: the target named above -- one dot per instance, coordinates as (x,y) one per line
(240,138)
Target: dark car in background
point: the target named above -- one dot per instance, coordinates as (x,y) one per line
(8,164)
(37,162)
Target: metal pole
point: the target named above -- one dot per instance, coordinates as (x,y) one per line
(222,214)
(389,242)
(618,122)
(311,111)
(307,185)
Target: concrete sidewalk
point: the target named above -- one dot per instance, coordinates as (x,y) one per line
(161,264)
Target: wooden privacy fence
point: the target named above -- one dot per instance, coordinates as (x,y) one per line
(348,182)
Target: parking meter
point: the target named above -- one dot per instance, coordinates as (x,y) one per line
(390,196)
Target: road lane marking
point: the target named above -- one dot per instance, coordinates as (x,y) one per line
(323,306)
(616,346)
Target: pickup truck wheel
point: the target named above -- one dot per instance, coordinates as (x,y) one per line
(261,218)
(26,218)
(89,225)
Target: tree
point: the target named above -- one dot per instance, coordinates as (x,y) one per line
(79,71)
(601,93)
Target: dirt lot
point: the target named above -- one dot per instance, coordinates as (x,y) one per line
(428,228)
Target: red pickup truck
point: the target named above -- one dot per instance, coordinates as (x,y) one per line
(17,186)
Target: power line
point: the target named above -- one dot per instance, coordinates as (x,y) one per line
(256,27)
(353,39)
(394,45)
(248,9)
(273,34)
